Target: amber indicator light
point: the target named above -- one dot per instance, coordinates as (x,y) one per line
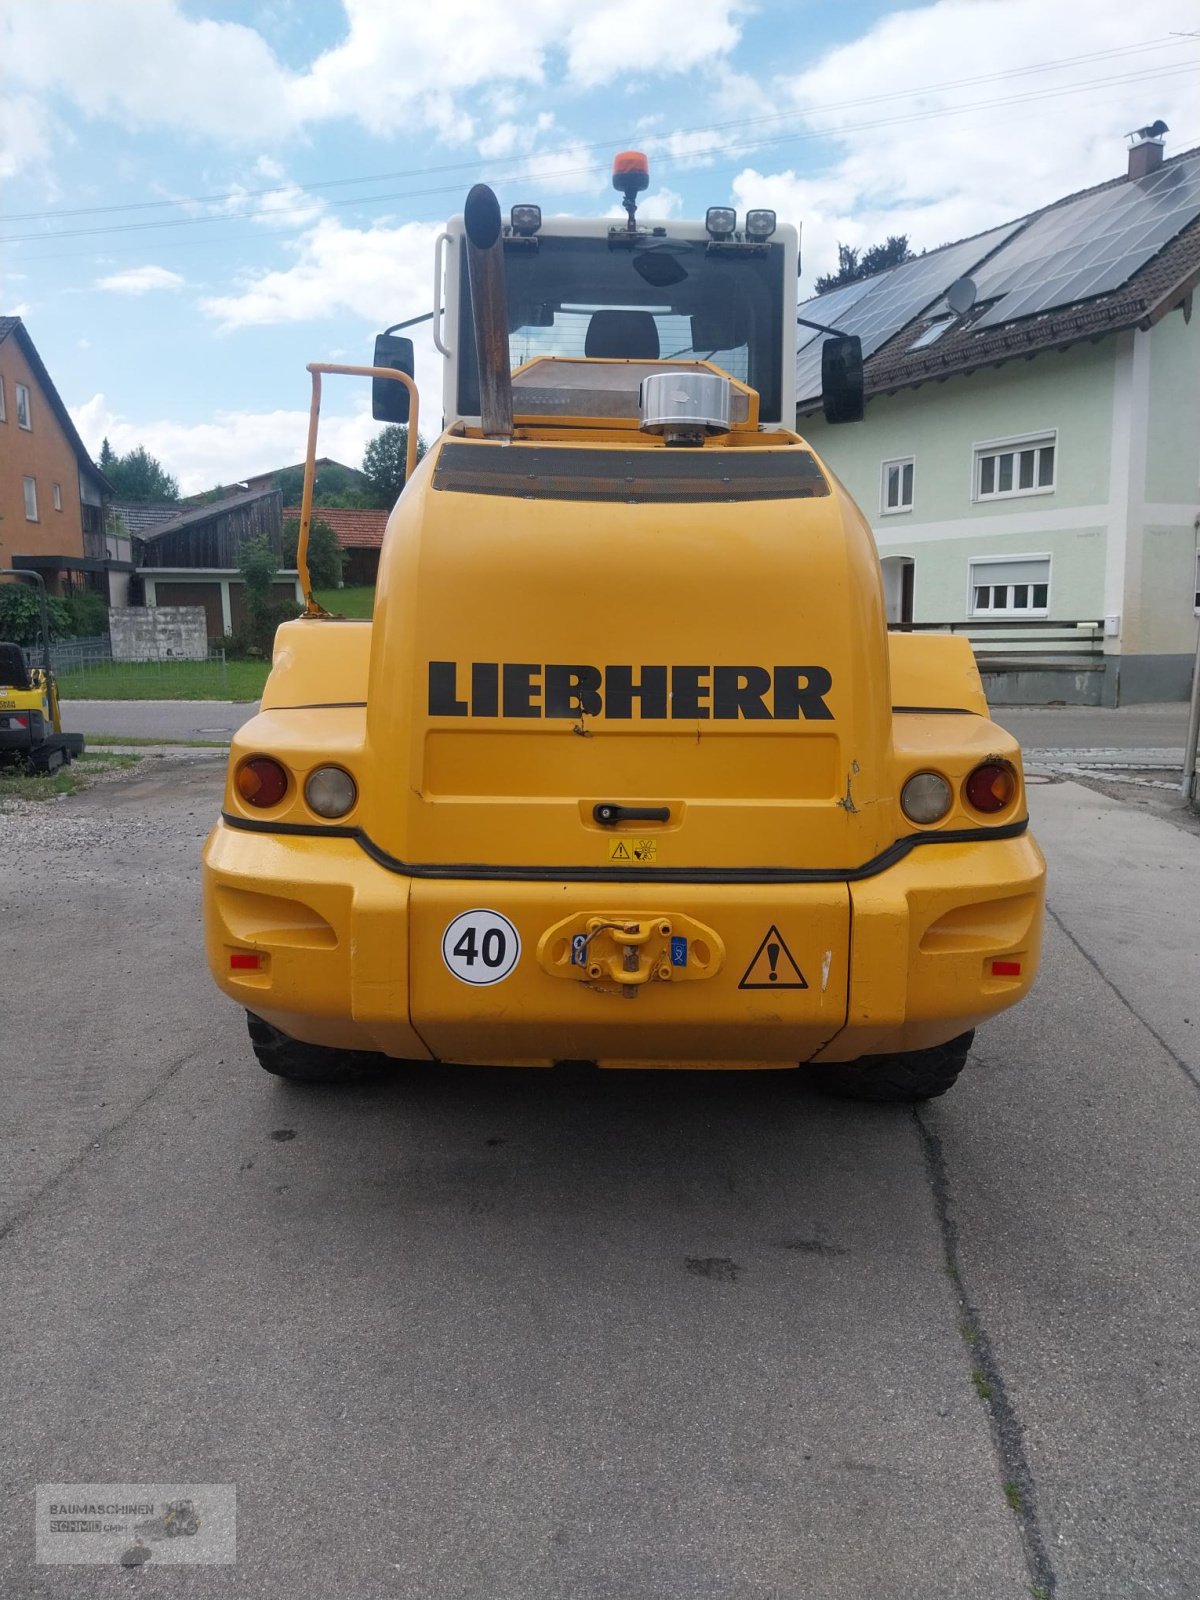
(991,787)
(261,781)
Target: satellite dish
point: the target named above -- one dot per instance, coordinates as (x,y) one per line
(960,296)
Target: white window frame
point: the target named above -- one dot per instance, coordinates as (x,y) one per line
(30,487)
(3,412)
(1007,613)
(27,407)
(58,497)
(1012,446)
(897,461)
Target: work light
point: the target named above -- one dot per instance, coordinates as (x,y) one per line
(760,224)
(720,221)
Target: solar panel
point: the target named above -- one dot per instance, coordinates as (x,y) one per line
(888,302)
(1089,246)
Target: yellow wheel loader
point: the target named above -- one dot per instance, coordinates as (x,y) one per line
(31,733)
(627,769)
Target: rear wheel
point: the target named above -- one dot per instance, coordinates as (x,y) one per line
(285,1057)
(915,1075)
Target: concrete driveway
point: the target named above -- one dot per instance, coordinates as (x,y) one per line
(492,1334)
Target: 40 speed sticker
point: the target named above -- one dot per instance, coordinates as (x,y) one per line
(481,947)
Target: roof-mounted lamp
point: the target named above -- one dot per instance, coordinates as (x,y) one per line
(525,220)
(630,177)
(720,221)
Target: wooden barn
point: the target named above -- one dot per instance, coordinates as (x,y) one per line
(192,560)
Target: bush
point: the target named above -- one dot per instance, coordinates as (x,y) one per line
(255,639)
(326,558)
(88,614)
(20,614)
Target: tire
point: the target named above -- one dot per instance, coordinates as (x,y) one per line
(916,1075)
(284,1057)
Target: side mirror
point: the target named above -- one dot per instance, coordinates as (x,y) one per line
(842,394)
(389,399)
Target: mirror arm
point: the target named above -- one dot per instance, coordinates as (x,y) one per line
(803,322)
(398,327)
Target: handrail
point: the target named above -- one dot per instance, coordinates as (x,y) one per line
(311,608)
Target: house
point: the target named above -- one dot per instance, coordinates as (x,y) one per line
(191,559)
(287,479)
(1030,456)
(360,534)
(52,494)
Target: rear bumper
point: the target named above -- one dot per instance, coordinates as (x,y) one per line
(350,955)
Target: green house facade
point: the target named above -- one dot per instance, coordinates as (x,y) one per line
(1035,481)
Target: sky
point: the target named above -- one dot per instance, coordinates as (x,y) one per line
(197,198)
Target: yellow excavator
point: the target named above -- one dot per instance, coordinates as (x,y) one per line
(627,769)
(31,733)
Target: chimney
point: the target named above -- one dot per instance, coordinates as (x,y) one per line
(1146,151)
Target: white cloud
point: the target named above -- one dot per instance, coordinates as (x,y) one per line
(140,280)
(230,446)
(946,177)
(604,41)
(381,274)
(397,67)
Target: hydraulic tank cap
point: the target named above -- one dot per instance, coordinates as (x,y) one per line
(684,406)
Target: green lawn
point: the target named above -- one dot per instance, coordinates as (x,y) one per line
(166,680)
(346,602)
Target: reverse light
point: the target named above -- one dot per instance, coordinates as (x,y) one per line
(991,787)
(330,792)
(261,781)
(720,221)
(926,797)
(760,224)
(525,220)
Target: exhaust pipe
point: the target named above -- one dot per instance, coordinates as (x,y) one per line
(489,310)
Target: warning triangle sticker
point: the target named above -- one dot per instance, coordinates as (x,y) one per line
(618,852)
(773,965)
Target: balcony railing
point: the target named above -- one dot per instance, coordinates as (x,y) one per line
(997,643)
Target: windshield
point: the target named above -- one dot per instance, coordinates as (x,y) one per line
(668,299)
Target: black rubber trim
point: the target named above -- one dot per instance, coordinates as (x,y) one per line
(485,872)
(935,711)
(332,705)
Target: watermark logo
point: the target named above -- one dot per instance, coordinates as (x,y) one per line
(132,1524)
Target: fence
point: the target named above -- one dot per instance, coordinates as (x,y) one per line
(1022,644)
(85,670)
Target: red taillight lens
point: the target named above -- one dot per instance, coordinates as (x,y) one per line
(991,787)
(245,961)
(261,781)
(1006,969)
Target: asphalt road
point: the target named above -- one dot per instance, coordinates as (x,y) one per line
(491,1334)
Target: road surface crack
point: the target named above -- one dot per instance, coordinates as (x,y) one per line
(1019,1488)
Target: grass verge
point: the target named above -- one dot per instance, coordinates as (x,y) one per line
(347,602)
(17,785)
(167,680)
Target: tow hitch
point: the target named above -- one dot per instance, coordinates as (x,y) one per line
(615,954)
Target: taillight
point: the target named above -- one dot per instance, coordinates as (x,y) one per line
(261,781)
(991,787)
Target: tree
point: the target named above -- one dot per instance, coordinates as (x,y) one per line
(852,266)
(326,558)
(383,464)
(137,476)
(258,566)
(335,485)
